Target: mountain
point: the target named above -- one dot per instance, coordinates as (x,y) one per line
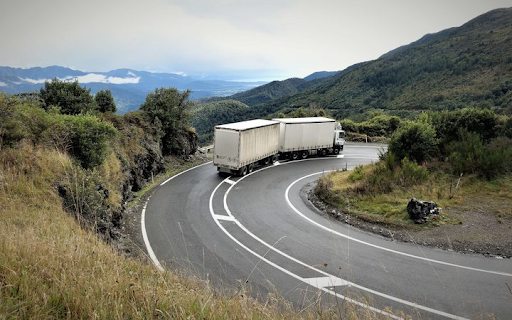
(278,89)
(320,75)
(470,65)
(129,87)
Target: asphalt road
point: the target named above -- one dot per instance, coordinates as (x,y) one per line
(261,234)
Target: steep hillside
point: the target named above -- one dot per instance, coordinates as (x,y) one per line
(469,65)
(210,114)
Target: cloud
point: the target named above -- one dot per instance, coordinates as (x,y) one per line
(3,84)
(91,78)
(94,77)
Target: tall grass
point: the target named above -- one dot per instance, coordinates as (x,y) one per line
(52,268)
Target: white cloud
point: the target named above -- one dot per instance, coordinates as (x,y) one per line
(90,78)
(3,84)
(95,77)
(34,81)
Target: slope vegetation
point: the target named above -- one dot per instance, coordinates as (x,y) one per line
(459,67)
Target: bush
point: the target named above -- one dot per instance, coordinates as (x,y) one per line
(470,155)
(414,140)
(84,137)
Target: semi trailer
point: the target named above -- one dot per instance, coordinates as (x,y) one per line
(301,137)
(240,147)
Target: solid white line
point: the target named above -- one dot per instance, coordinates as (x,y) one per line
(182,172)
(146,239)
(376,246)
(341,156)
(143,222)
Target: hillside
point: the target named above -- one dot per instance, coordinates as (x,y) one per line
(470,65)
(210,114)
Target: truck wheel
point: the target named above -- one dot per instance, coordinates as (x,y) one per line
(336,151)
(266,161)
(250,168)
(242,171)
(274,158)
(304,154)
(323,152)
(295,155)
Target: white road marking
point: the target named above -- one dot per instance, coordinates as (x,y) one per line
(229,181)
(376,246)
(241,226)
(222,217)
(262,258)
(341,156)
(324,282)
(146,240)
(143,222)
(182,172)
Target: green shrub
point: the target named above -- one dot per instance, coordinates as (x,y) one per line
(414,140)
(471,155)
(85,137)
(356,174)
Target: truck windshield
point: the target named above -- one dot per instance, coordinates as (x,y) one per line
(341,135)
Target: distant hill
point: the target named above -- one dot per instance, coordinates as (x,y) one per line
(320,75)
(469,65)
(129,87)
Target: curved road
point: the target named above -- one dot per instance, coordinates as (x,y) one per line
(261,234)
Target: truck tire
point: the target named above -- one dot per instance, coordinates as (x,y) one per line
(323,152)
(304,154)
(242,171)
(273,159)
(266,161)
(295,155)
(336,151)
(250,167)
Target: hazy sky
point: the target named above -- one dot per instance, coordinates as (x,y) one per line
(270,39)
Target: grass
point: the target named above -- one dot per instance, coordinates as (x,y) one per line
(51,268)
(343,190)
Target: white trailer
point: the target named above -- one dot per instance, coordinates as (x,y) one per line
(302,137)
(240,146)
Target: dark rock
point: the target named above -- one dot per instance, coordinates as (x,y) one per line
(420,210)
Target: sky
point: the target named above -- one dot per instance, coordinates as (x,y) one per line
(224,39)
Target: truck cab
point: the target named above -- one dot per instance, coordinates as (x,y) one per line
(339,137)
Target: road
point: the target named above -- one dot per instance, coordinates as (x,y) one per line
(260,233)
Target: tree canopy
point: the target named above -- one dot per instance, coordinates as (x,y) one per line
(105,101)
(69,97)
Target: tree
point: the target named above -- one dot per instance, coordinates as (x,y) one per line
(70,97)
(105,101)
(414,140)
(172,108)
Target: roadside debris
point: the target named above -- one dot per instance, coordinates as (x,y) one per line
(422,211)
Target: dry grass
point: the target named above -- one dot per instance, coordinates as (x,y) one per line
(448,191)
(51,268)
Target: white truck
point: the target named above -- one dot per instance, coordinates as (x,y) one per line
(241,146)
(302,137)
